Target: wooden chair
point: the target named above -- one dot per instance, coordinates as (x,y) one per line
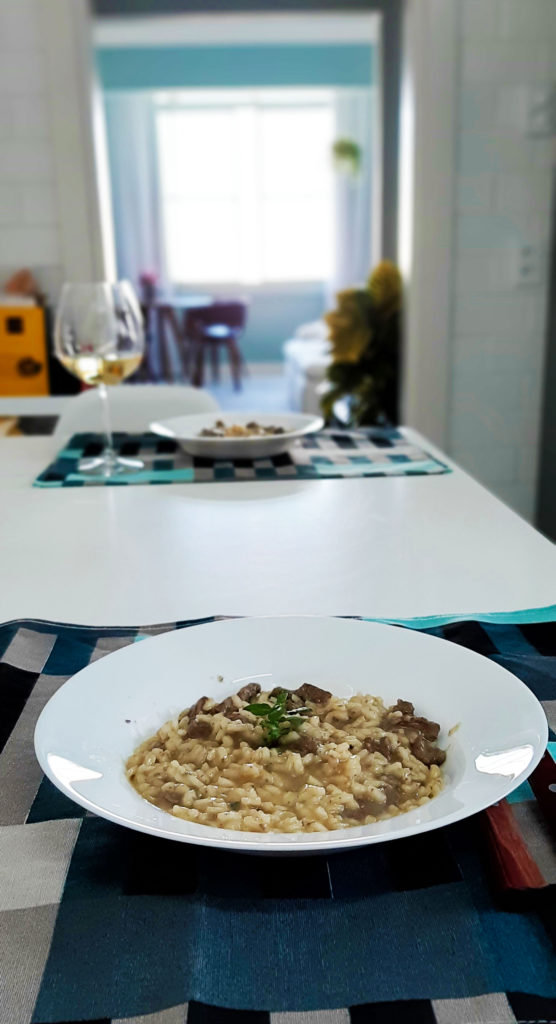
(209,327)
(170,329)
(168,344)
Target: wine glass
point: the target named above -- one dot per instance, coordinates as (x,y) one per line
(98,336)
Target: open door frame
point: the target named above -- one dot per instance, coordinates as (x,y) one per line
(418,89)
(418,78)
(545,518)
(391,25)
(426,217)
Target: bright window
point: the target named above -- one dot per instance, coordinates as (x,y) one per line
(246,186)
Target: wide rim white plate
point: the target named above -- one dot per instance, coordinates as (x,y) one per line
(93,723)
(185,430)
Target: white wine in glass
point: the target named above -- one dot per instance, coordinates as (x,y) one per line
(99,338)
(101,369)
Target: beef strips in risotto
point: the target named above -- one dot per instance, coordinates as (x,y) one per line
(290,761)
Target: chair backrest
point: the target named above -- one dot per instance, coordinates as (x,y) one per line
(219,314)
(132,407)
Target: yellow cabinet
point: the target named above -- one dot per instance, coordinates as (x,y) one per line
(23,351)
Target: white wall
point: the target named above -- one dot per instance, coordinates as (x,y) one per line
(475,187)
(426,215)
(29,221)
(49,212)
(502,200)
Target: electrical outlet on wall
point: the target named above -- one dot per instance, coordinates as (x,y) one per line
(528,266)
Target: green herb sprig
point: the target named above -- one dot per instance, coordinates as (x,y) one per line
(277,722)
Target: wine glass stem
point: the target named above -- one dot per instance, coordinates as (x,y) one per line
(108,453)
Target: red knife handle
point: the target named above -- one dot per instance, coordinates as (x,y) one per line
(515,867)
(543,784)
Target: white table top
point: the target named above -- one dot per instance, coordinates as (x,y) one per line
(389,548)
(32,405)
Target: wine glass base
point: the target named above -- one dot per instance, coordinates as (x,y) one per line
(100,465)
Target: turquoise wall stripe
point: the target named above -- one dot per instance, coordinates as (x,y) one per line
(166,67)
(274,316)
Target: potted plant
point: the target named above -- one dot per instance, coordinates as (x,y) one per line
(365,341)
(347,157)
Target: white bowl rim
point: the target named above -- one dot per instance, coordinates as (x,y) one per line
(293,843)
(166,428)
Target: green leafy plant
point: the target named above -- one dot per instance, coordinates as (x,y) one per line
(347,155)
(277,722)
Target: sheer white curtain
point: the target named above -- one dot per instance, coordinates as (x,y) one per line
(132,145)
(354,114)
(131,138)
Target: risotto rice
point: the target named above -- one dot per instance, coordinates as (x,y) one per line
(350,762)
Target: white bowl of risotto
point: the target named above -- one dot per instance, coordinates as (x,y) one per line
(237,435)
(290,735)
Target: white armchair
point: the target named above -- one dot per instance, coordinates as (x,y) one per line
(306,357)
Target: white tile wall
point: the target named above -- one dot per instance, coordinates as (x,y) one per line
(477,106)
(29,216)
(11,204)
(475,192)
(531,191)
(19,28)
(502,200)
(496,463)
(21,74)
(30,118)
(529,20)
(479,18)
(39,205)
(6,118)
(29,160)
(516,314)
(18,243)
(482,270)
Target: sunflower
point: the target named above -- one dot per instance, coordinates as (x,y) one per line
(350,329)
(365,342)
(385,287)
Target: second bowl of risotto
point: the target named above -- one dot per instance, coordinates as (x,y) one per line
(290,735)
(238,435)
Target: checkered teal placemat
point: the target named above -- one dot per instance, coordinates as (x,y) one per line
(329,454)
